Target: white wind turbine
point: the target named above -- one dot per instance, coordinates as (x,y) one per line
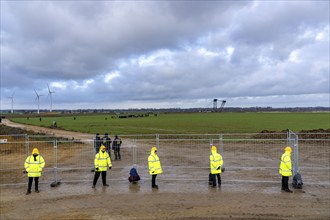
(51,98)
(38,96)
(12,102)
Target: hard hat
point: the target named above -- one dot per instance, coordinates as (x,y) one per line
(153,149)
(288,149)
(214,148)
(102,147)
(35,151)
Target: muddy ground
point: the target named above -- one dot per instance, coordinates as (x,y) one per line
(191,199)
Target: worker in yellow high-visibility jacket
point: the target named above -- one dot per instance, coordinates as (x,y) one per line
(216,163)
(102,162)
(286,169)
(154,166)
(33,166)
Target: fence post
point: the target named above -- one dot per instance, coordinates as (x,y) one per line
(27,144)
(221,144)
(134,153)
(292,141)
(296,154)
(157,141)
(56,182)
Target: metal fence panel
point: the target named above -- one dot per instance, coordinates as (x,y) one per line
(247,157)
(12,158)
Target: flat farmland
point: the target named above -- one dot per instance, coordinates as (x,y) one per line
(184,123)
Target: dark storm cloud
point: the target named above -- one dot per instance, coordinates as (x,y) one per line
(106,53)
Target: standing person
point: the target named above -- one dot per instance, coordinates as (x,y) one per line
(102,162)
(216,163)
(154,166)
(116,147)
(97,143)
(286,169)
(107,143)
(33,166)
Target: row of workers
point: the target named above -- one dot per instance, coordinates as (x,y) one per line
(102,162)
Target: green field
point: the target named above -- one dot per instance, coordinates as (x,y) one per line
(186,123)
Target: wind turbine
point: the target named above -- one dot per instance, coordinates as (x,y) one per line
(12,102)
(51,98)
(38,96)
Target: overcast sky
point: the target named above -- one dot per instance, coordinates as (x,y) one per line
(164,54)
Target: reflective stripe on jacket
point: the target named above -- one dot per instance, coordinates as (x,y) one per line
(102,161)
(216,162)
(286,164)
(154,164)
(34,168)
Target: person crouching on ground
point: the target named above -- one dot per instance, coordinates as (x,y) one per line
(286,169)
(134,177)
(102,162)
(154,166)
(216,164)
(33,166)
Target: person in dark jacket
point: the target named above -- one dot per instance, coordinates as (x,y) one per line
(133,176)
(116,147)
(107,143)
(97,143)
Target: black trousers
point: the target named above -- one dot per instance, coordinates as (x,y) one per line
(36,183)
(214,176)
(285,182)
(117,153)
(153,180)
(97,175)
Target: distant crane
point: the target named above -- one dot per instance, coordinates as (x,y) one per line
(51,98)
(12,102)
(37,98)
(215,104)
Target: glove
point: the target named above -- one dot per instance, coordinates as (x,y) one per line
(109,168)
(97,169)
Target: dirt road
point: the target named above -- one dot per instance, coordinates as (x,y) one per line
(49,131)
(175,200)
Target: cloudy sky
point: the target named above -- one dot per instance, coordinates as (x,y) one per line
(164,54)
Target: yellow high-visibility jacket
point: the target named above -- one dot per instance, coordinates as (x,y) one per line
(34,168)
(286,164)
(216,162)
(102,161)
(154,164)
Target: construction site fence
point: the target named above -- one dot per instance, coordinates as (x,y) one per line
(247,157)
